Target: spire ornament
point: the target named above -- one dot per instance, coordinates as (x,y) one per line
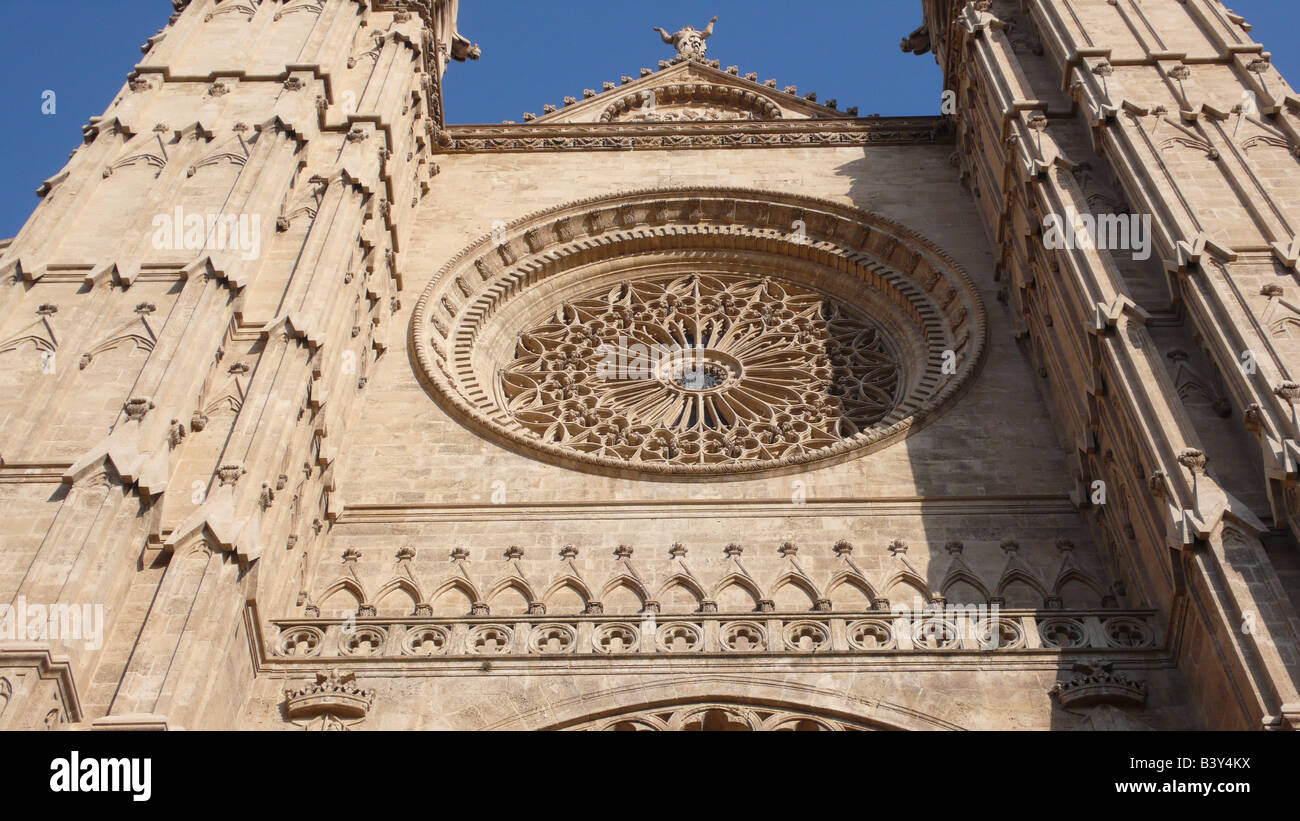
(689,42)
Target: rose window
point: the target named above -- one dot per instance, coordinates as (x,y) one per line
(700,369)
(690,331)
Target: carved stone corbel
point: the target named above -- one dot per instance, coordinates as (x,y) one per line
(333,702)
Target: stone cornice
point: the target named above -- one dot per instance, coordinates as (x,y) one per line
(48,667)
(720,134)
(361,514)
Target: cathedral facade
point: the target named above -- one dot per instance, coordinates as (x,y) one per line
(695,402)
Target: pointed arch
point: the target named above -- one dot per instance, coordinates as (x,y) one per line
(454,597)
(1017,576)
(554,596)
(798,582)
(906,580)
(741,582)
(963,576)
(680,581)
(347,591)
(499,593)
(39,334)
(37,341)
(238,8)
(614,600)
(137,332)
(151,160)
(396,589)
(1072,579)
(841,599)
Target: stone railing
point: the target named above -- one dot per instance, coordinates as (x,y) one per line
(759,633)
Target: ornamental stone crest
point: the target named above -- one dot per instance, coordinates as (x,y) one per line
(689,41)
(333,702)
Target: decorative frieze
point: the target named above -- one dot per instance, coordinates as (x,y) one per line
(690,135)
(955,629)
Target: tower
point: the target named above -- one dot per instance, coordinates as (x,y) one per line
(695,402)
(1168,366)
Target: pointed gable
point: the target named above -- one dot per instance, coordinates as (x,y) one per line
(691,91)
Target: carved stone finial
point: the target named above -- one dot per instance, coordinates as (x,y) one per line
(733,550)
(1288,391)
(1192,459)
(405,554)
(954,547)
(623,552)
(1064,545)
(897,547)
(351,555)
(788,549)
(459,554)
(689,41)
(677,551)
(1010,547)
(136,408)
(514,552)
(568,552)
(843,548)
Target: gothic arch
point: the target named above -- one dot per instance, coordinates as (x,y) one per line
(798,582)
(967,578)
(623,581)
(1076,580)
(347,591)
(569,583)
(680,581)
(505,586)
(1018,577)
(396,589)
(854,581)
(741,582)
(447,591)
(735,694)
(907,580)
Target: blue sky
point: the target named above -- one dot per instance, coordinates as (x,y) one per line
(534,52)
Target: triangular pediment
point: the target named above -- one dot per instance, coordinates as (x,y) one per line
(691,91)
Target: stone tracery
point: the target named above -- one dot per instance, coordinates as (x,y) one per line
(719,715)
(735,369)
(793,345)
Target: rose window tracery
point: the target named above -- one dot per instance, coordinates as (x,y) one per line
(700,369)
(694,331)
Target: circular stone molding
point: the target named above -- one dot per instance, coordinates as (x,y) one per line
(674,333)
